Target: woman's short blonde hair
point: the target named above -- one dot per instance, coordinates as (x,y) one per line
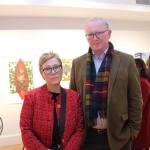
(46,56)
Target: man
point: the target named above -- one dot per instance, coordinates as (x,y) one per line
(108,83)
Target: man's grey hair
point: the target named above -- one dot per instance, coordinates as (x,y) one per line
(98,19)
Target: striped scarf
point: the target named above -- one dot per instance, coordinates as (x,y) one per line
(97,85)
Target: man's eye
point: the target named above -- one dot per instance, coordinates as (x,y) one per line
(98,33)
(90,35)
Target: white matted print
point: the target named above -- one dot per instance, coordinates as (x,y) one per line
(17,78)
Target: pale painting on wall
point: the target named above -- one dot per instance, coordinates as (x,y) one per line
(67,64)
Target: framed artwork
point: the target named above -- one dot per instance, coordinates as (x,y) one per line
(20,77)
(1,126)
(146,2)
(67,64)
(17,77)
(142,55)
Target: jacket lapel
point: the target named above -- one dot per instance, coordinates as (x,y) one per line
(113,72)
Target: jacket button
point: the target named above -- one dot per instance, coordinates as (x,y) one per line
(62,141)
(58,106)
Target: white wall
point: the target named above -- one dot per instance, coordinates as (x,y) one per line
(49,2)
(28,38)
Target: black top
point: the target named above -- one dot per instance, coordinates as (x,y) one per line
(55,138)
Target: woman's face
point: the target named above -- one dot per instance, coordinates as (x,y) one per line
(52,73)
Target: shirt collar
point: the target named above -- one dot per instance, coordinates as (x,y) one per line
(103,55)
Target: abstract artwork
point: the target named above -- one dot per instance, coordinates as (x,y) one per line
(67,64)
(1,126)
(146,2)
(20,77)
(142,55)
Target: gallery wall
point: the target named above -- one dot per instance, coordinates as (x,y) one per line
(58,2)
(27,38)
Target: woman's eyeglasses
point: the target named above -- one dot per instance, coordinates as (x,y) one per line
(48,70)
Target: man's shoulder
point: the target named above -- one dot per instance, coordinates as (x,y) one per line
(117,52)
(124,56)
(82,57)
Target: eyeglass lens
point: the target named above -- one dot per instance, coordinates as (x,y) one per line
(49,70)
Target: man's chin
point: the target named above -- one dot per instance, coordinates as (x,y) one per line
(96,49)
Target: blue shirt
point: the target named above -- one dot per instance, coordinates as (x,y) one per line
(97,61)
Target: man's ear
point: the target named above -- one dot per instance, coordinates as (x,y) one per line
(109,33)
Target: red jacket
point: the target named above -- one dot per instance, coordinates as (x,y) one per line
(143,139)
(36,120)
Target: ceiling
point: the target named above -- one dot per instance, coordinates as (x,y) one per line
(115,13)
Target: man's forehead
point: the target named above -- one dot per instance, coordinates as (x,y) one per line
(94,24)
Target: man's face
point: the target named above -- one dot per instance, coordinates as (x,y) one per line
(97,44)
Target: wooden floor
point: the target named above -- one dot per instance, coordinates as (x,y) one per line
(15,147)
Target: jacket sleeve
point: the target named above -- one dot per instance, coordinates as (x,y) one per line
(76,139)
(30,141)
(72,84)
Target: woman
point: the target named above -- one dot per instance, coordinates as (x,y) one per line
(143,139)
(148,67)
(40,115)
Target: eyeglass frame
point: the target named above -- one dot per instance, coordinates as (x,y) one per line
(52,69)
(101,33)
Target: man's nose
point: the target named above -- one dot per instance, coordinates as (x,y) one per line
(95,37)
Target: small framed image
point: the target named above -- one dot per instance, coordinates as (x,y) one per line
(67,64)
(1,126)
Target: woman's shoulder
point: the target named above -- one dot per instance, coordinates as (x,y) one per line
(69,91)
(145,82)
(72,93)
(37,90)
(73,97)
(36,94)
